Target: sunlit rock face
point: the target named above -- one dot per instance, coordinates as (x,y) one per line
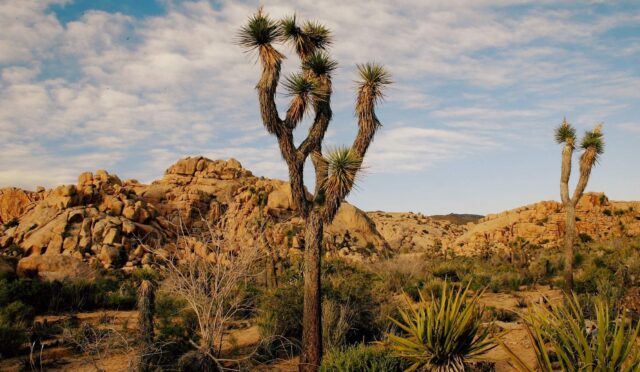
(106,222)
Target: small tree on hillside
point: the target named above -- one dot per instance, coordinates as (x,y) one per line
(593,146)
(310,91)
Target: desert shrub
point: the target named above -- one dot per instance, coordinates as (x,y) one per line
(280,311)
(336,324)
(351,286)
(175,326)
(362,358)
(12,338)
(587,280)
(449,270)
(509,281)
(563,339)
(17,313)
(504,315)
(585,238)
(442,334)
(55,297)
(349,301)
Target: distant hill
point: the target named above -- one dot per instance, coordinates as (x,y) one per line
(458,219)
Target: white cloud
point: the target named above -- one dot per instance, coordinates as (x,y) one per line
(412,149)
(107,88)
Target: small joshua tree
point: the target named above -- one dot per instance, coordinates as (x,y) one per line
(593,146)
(146,311)
(310,91)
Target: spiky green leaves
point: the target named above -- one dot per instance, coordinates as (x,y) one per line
(299,85)
(304,91)
(562,339)
(343,166)
(319,35)
(259,31)
(258,34)
(307,39)
(443,333)
(565,133)
(320,64)
(373,78)
(594,140)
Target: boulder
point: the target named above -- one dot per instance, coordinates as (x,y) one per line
(13,203)
(58,267)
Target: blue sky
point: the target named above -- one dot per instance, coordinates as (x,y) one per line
(131,86)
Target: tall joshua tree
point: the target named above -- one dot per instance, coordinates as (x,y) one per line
(592,146)
(335,174)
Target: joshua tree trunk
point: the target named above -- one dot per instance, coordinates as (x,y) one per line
(312,331)
(569,240)
(146,311)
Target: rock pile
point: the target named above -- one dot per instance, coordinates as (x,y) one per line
(105,222)
(543,224)
(414,232)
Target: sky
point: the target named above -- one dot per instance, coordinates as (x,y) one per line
(479,86)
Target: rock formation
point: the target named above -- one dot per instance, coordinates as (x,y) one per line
(543,224)
(108,223)
(103,222)
(407,232)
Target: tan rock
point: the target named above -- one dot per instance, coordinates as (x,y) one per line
(57,267)
(13,203)
(111,236)
(108,254)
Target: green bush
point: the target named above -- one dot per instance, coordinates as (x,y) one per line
(12,339)
(176,326)
(362,358)
(55,297)
(17,313)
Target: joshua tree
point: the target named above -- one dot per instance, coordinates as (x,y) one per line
(146,310)
(310,91)
(592,146)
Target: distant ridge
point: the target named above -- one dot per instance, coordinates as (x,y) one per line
(457,218)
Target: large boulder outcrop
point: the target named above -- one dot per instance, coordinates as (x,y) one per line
(408,232)
(543,224)
(98,214)
(108,223)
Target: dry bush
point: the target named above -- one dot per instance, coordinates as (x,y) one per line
(213,289)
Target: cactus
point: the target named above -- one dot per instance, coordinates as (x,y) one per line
(335,174)
(592,146)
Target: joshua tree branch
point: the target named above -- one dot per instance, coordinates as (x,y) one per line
(586,164)
(320,124)
(565,172)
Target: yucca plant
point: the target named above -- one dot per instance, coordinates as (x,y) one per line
(442,333)
(310,92)
(563,340)
(592,146)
